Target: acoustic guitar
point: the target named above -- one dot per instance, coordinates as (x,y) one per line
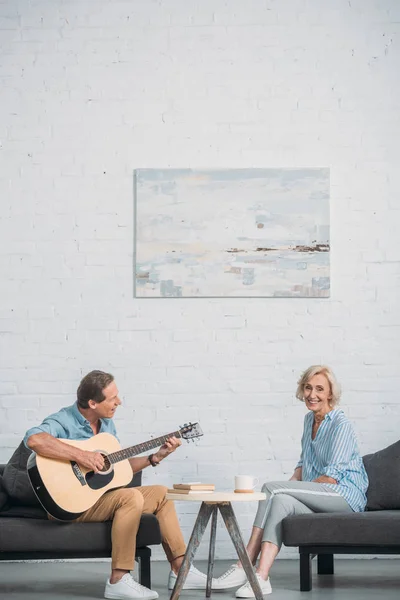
(66,489)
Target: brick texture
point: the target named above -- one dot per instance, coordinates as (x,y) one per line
(90,90)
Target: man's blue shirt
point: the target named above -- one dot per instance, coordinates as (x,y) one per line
(70,424)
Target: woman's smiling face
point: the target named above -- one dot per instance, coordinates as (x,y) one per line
(317,394)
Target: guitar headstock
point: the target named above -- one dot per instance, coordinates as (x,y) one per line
(190,431)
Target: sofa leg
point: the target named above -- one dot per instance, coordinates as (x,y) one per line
(143,556)
(305,572)
(325,564)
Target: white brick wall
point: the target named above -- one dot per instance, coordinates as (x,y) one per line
(90,90)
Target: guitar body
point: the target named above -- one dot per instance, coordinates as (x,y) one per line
(66,489)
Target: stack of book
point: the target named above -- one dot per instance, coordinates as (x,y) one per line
(192,488)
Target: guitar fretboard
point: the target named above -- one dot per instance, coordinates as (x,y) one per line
(115,457)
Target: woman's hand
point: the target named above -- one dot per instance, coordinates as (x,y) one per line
(297,475)
(325,479)
(170,446)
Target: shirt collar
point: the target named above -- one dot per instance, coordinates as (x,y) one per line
(331,414)
(78,415)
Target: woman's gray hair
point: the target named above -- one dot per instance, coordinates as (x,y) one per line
(319,370)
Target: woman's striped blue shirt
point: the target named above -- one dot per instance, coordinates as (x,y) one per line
(334,453)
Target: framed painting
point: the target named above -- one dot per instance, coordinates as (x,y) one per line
(232,233)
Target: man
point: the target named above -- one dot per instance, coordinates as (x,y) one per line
(97,401)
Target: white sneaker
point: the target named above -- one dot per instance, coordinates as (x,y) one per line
(195,580)
(128,589)
(246,590)
(233,577)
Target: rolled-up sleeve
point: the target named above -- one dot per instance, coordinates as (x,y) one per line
(342,448)
(49,425)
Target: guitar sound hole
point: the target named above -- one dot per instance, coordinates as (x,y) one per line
(107,464)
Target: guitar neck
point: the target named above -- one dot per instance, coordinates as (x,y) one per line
(115,457)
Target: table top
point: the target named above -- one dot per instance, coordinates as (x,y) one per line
(216,497)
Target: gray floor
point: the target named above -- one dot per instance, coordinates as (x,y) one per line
(354,580)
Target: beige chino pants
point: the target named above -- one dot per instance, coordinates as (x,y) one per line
(125,507)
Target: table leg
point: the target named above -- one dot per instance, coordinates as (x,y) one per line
(212,549)
(199,527)
(232,526)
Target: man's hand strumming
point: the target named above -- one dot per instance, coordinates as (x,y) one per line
(91,460)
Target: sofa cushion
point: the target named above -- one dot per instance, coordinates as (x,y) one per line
(383,469)
(3,494)
(25,512)
(16,480)
(343,529)
(37,537)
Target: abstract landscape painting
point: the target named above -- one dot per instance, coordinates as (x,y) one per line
(232,233)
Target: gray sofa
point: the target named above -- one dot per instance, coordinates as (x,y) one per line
(27,534)
(376,531)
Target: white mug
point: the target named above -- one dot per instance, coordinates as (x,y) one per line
(245,483)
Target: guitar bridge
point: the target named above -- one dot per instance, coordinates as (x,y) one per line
(78,473)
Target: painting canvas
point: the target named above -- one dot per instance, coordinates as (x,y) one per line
(232,233)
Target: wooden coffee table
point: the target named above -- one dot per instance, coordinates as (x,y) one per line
(210,504)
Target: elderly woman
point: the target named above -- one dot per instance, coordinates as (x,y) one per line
(329,477)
